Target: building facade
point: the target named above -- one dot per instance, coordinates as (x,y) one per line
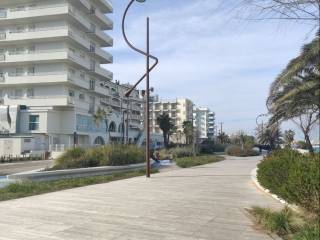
(51,77)
(203,122)
(179,111)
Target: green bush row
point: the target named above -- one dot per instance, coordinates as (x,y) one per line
(112,155)
(238,151)
(292,176)
(177,152)
(187,162)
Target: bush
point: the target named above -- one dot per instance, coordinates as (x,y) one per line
(292,176)
(219,147)
(235,150)
(196,161)
(115,155)
(180,152)
(282,223)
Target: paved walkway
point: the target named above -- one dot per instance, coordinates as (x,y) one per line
(206,202)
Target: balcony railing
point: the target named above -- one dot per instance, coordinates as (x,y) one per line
(3,36)
(3,14)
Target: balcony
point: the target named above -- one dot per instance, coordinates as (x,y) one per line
(101,37)
(63,55)
(104,73)
(53,11)
(38,56)
(40,101)
(102,55)
(104,5)
(102,19)
(39,78)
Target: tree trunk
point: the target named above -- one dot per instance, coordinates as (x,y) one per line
(165,139)
(308,142)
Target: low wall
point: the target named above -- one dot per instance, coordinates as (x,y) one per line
(74,173)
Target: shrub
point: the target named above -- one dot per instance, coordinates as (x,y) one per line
(115,155)
(198,160)
(283,223)
(292,176)
(219,147)
(310,232)
(180,152)
(235,150)
(125,154)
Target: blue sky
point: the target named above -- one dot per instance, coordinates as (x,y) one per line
(208,54)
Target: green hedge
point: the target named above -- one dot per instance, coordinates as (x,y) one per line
(292,176)
(113,155)
(235,150)
(187,162)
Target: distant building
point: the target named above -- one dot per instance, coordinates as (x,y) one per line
(179,110)
(203,121)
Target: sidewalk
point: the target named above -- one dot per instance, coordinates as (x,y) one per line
(206,202)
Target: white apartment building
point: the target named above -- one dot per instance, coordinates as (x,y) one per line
(179,111)
(203,121)
(52,80)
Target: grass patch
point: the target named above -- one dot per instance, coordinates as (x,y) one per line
(286,224)
(187,162)
(30,188)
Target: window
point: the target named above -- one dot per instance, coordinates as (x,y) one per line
(31,48)
(92,84)
(31,71)
(33,122)
(18,93)
(30,92)
(71,93)
(18,72)
(72,71)
(82,96)
(82,75)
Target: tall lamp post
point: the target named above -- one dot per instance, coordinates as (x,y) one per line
(146,75)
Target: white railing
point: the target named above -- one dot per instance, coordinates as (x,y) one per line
(3,14)
(3,36)
(64,147)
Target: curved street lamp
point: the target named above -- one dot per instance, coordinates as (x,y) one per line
(146,75)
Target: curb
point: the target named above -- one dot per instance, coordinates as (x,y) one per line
(267,191)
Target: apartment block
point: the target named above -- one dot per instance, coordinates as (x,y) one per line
(179,111)
(52,80)
(203,122)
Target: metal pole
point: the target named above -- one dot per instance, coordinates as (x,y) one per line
(127,123)
(147,103)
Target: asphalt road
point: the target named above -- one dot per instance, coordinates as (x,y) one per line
(11,168)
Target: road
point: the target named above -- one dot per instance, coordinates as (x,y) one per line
(11,168)
(205,203)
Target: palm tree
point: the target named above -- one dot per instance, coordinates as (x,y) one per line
(296,91)
(102,114)
(165,124)
(270,135)
(288,137)
(223,138)
(188,131)
(297,88)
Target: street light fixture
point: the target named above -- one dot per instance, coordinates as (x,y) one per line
(146,75)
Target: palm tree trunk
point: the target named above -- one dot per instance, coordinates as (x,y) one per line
(165,139)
